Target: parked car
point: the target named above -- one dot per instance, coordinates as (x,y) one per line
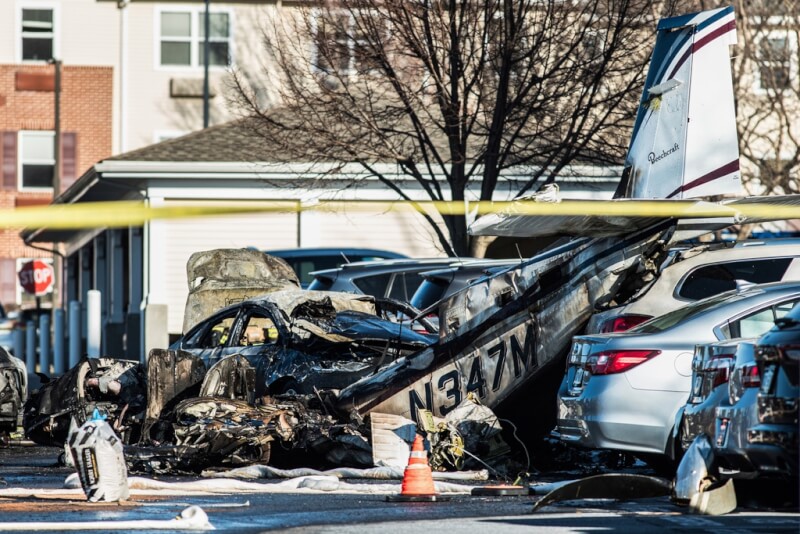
(773,442)
(304,261)
(736,413)
(713,367)
(690,274)
(622,391)
(442,283)
(397,279)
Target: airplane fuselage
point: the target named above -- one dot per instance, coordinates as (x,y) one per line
(498,334)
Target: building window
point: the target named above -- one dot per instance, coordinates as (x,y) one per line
(182,39)
(37,159)
(498,39)
(38,32)
(343,45)
(774,58)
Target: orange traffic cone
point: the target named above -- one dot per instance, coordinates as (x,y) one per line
(417,478)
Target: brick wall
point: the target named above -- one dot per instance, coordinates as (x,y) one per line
(27,103)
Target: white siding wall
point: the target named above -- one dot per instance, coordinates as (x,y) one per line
(404,232)
(151,110)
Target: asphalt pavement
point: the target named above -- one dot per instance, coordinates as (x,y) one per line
(35,469)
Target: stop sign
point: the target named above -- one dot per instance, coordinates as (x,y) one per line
(36,277)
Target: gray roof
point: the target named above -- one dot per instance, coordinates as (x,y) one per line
(232,141)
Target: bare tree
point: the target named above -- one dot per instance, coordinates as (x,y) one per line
(768,95)
(454,92)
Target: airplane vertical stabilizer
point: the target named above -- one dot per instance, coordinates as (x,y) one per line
(684,142)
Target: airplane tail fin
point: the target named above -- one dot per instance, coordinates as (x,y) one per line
(684,142)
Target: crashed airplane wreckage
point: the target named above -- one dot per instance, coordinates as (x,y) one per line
(497,338)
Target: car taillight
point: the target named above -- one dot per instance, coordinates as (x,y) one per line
(622,323)
(750,376)
(775,353)
(618,361)
(719,366)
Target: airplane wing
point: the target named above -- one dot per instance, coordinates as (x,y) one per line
(607,218)
(590,218)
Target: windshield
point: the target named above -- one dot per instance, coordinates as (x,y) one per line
(668,320)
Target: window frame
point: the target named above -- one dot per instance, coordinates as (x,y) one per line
(202,331)
(195,40)
(56,33)
(21,160)
(159,136)
(677,293)
(792,66)
(727,330)
(352,45)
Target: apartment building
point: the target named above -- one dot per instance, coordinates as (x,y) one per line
(131,74)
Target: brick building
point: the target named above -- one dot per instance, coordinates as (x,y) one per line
(27,144)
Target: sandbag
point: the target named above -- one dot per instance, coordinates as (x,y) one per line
(97,452)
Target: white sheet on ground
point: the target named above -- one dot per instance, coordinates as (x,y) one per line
(252,472)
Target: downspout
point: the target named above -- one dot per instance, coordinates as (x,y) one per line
(122,5)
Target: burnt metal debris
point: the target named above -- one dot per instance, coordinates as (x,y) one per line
(619,486)
(116,388)
(339,357)
(188,410)
(220,277)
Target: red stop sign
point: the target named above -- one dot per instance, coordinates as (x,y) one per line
(36,277)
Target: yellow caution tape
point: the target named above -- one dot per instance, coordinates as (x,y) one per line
(121,214)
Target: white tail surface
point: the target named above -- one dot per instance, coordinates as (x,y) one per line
(684,142)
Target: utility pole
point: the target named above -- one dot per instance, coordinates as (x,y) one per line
(57,266)
(205,66)
(57,127)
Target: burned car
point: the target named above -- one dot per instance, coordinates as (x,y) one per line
(13,391)
(300,340)
(293,341)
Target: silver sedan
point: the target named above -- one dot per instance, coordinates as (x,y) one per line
(622,391)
